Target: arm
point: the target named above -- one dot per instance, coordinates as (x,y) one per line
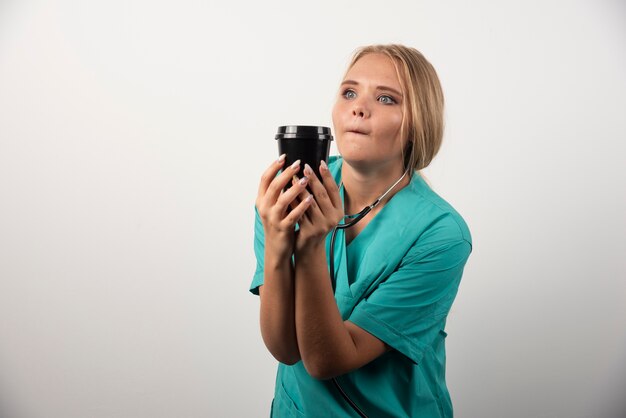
(277,310)
(277,293)
(328,345)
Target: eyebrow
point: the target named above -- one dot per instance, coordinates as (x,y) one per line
(355,83)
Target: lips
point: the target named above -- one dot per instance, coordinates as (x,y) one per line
(356,131)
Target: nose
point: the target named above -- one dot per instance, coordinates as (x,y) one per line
(360,110)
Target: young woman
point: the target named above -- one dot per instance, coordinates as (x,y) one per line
(366,339)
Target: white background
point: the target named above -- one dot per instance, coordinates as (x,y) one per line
(132,137)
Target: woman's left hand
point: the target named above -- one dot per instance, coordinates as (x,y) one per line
(324,213)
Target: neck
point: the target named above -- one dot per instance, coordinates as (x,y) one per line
(363,186)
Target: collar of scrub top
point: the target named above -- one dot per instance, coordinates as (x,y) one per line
(354,219)
(358,216)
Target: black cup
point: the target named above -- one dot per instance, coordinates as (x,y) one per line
(309,144)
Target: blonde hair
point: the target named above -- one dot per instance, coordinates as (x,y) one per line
(423,102)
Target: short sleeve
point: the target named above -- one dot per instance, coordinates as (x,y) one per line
(409,308)
(259,252)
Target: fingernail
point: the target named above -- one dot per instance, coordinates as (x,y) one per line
(323,165)
(281,159)
(304,180)
(308,198)
(295,164)
(307,170)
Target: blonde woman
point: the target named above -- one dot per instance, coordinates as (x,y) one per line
(358,328)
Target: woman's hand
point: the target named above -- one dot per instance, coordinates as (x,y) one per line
(324,212)
(273,205)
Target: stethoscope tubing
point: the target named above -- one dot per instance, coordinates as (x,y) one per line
(354,219)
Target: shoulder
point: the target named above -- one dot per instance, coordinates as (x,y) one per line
(435,220)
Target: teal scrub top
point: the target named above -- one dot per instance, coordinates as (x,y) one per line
(397,280)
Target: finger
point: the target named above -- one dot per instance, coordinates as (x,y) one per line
(289,199)
(297,214)
(319,191)
(278,184)
(296,200)
(314,214)
(331,185)
(300,197)
(270,173)
(311,213)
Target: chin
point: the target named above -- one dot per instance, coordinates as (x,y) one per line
(352,152)
(362,161)
(357,161)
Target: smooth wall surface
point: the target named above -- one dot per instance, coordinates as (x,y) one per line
(132,138)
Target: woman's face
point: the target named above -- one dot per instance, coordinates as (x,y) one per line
(368,113)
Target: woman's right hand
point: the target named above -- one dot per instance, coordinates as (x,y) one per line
(273,206)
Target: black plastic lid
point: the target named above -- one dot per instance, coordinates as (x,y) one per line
(304,132)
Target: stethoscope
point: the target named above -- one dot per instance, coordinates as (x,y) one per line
(354,219)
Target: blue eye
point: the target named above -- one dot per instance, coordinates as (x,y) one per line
(349,94)
(387,99)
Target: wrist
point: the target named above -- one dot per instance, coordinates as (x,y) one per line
(280,243)
(310,245)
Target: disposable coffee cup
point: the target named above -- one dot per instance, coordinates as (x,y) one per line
(309,144)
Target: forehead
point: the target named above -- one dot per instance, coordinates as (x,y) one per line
(375,69)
